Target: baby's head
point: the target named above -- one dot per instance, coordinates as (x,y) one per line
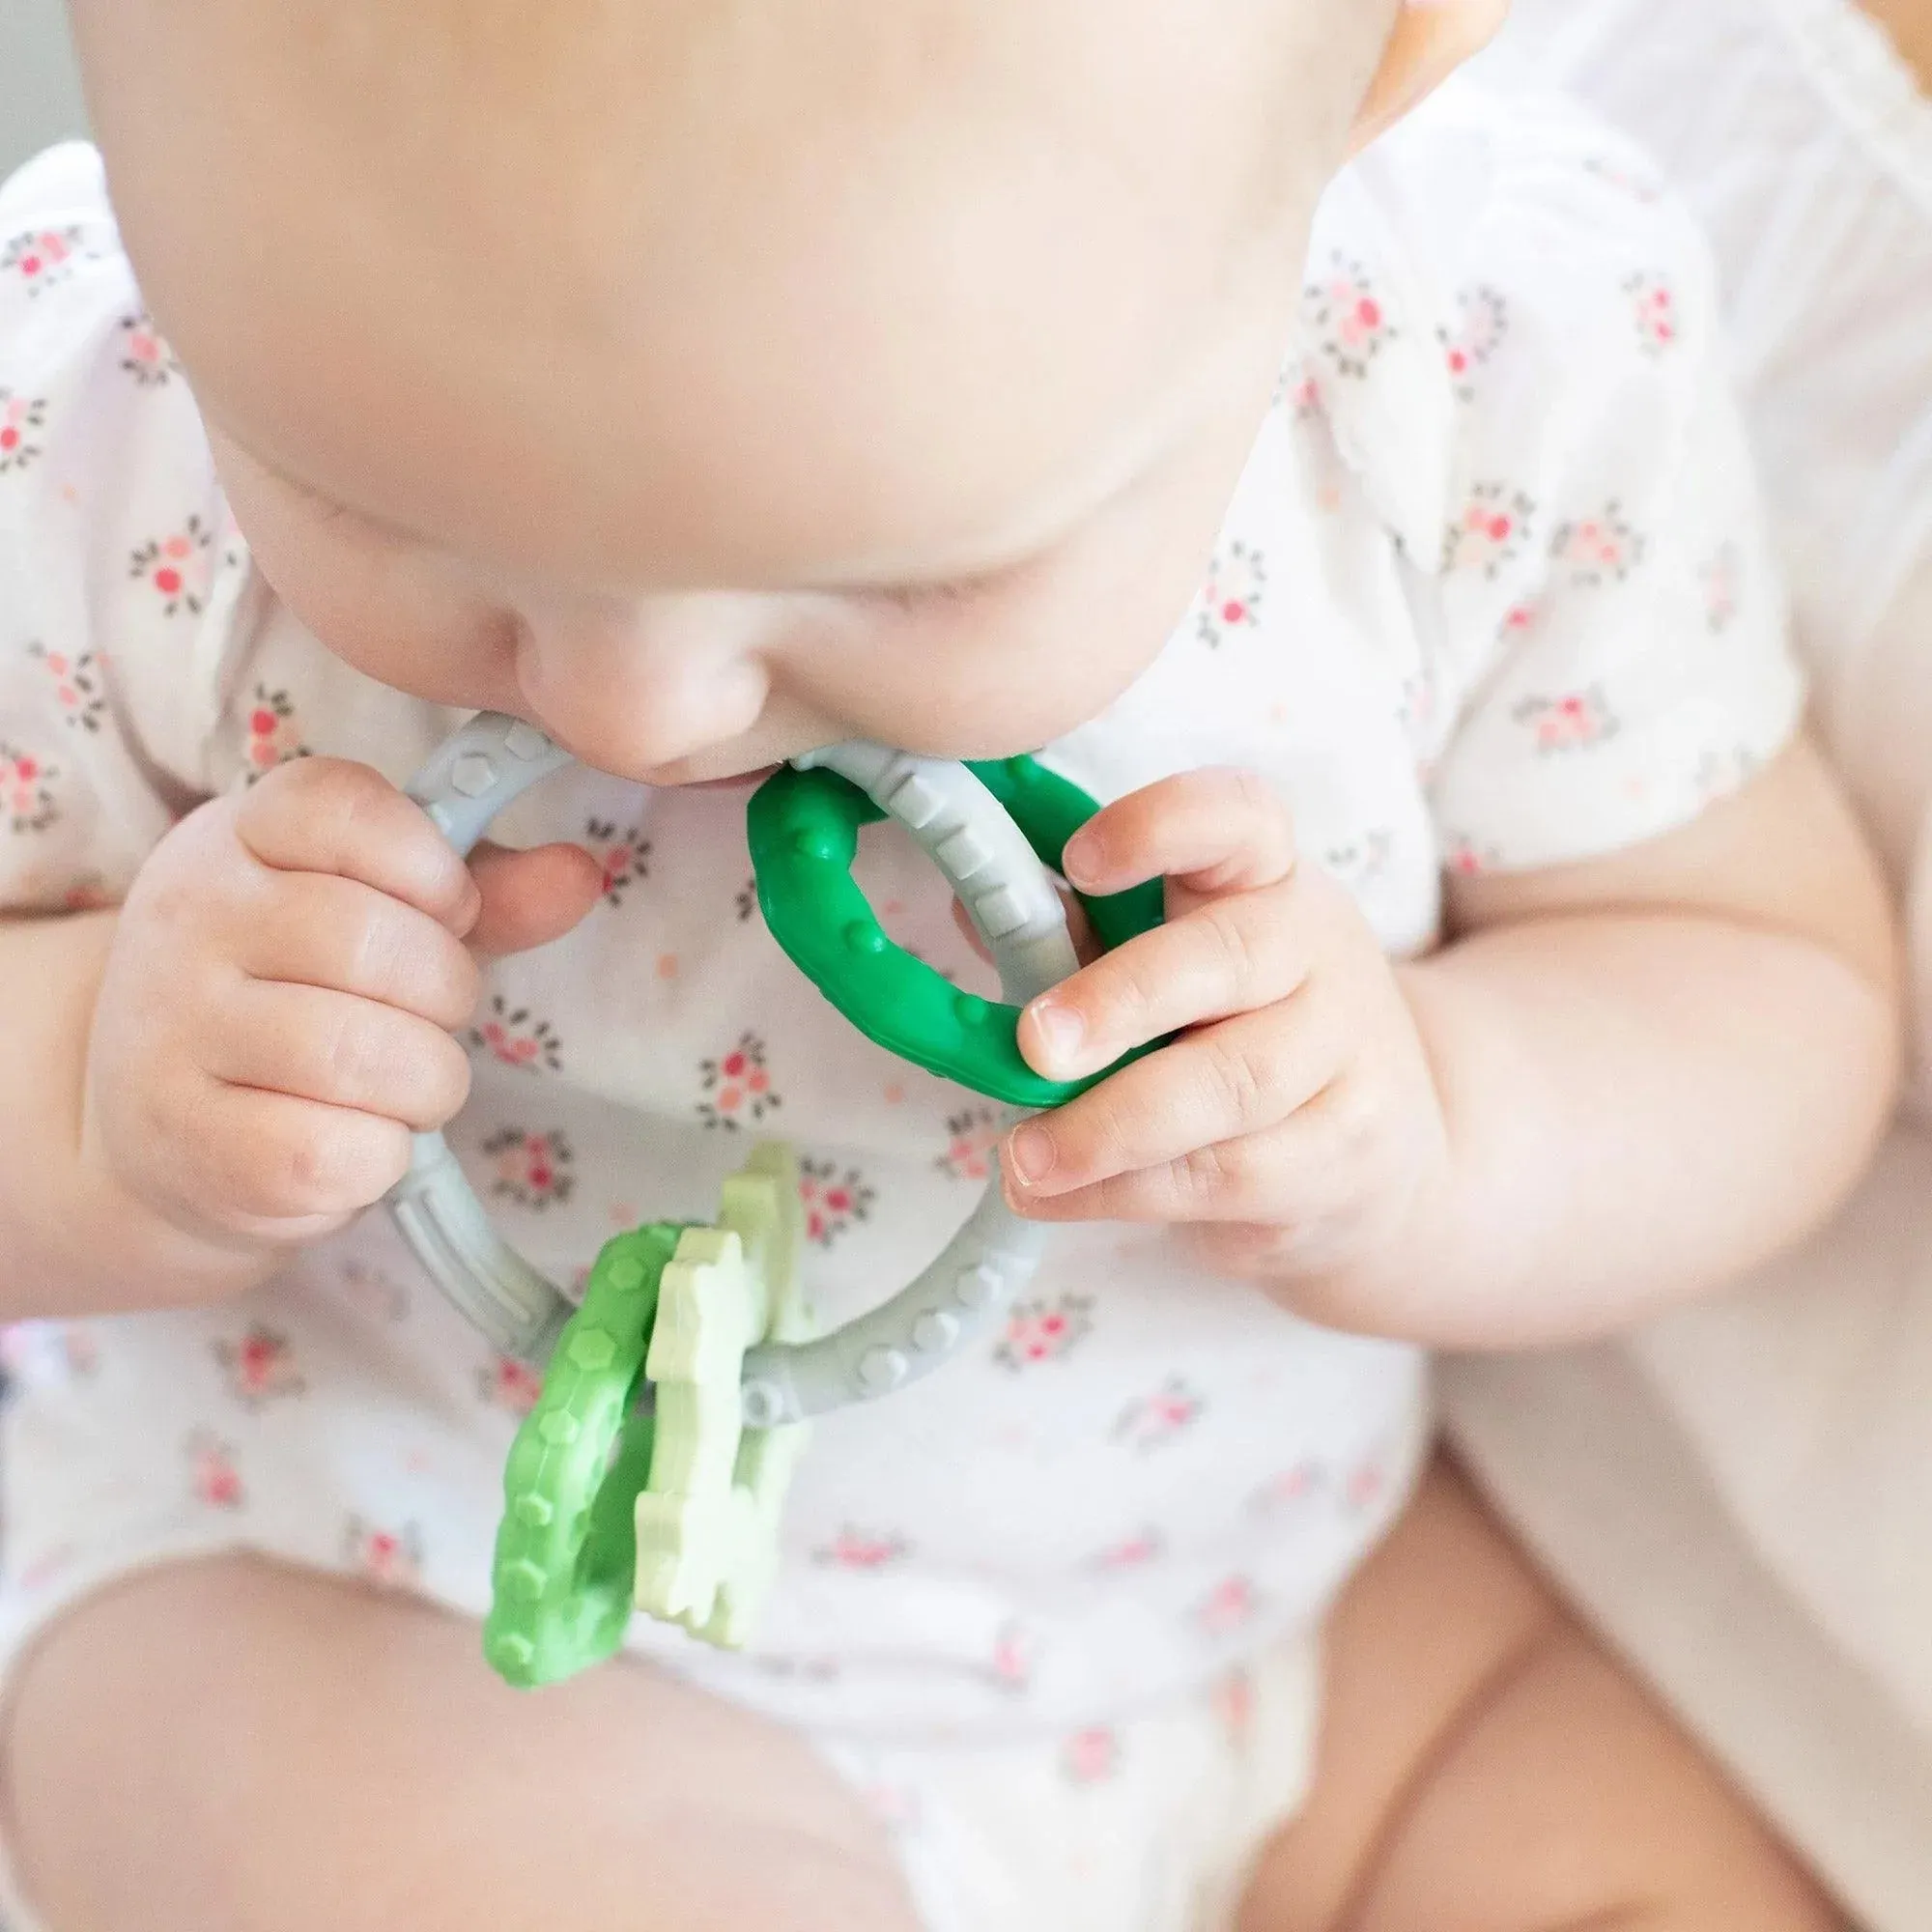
(708,380)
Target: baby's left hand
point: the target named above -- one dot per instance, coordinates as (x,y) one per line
(1295,1123)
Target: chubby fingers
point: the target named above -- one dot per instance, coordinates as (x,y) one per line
(1227,956)
(314,1043)
(1240,1077)
(318,929)
(1218,829)
(329,816)
(1224,842)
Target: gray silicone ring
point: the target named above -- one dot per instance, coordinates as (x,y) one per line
(491,761)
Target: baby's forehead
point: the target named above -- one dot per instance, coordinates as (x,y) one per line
(805,255)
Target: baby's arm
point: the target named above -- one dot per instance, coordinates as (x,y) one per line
(1620,1083)
(1656,1067)
(231,1063)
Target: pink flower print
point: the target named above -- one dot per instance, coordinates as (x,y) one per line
(737,1084)
(624,855)
(212,1474)
(1232,1700)
(76,682)
(895,1807)
(27,799)
(1721,579)
(21,418)
(1153,1421)
(144,354)
(274,735)
(390,1558)
(1463,856)
(1298,389)
(1293,1488)
(1346,318)
(177,567)
(42,257)
(260,1367)
(1519,620)
(509,1384)
(1227,1609)
(1494,525)
(1232,598)
(518,1038)
(1091,1756)
(832,1201)
(863,1550)
(1016,1658)
(532,1170)
(1571,723)
(1594,548)
(1132,1553)
(975,1136)
(747,901)
(1481,324)
(1367,1484)
(1044,1331)
(1653,310)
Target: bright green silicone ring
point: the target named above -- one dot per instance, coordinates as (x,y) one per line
(566,1561)
(803,833)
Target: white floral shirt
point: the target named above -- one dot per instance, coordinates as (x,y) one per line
(1492,593)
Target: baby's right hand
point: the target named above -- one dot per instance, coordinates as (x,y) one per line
(276,1014)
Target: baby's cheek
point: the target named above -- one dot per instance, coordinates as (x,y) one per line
(391,615)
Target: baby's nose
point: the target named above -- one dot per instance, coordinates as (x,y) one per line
(635,690)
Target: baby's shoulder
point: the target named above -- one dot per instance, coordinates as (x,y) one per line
(1501,288)
(1513,184)
(125,588)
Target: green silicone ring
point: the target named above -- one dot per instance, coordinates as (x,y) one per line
(804,833)
(566,1560)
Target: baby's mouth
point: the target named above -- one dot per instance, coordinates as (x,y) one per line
(740,781)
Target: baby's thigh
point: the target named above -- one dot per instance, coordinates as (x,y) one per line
(1486,1767)
(232,1746)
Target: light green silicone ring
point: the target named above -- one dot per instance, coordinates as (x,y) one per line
(566,1557)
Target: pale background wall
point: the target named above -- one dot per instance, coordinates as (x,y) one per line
(40,101)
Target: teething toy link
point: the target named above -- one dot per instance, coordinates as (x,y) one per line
(606,1500)
(707,1525)
(992,829)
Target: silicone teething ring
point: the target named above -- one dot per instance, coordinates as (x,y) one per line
(958,816)
(567,1548)
(804,832)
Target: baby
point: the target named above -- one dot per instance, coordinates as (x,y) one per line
(706,384)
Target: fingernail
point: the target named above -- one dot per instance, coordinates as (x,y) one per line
(1030,1156)
(1081,857)
(1060,1032)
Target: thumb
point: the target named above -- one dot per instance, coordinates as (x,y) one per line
(529,899)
